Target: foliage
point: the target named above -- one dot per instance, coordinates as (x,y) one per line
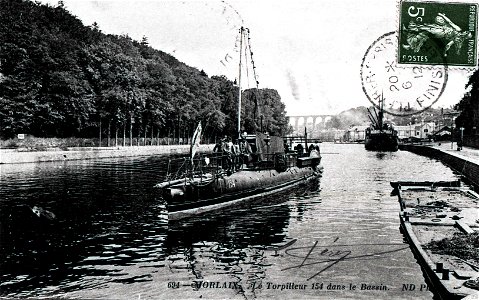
(469,107)
(264,111)
(59,78)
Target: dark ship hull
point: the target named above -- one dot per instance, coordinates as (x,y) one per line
(382,141)
(380,136)
(191,196)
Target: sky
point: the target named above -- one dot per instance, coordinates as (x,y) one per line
(310,51)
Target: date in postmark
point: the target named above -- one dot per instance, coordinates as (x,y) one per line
(407,90)
(449,28)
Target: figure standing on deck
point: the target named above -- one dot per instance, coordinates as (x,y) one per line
(217,147)
(299,149)
(245,151)
(227,153)
(314,151)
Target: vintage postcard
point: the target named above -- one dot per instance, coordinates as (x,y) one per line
(239,149)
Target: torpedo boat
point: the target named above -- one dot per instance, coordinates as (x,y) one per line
(258,166)
(219,181)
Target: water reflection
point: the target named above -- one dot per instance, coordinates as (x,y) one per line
(109,217)
(252,224)
(93,201)
(111,235)
(234,243)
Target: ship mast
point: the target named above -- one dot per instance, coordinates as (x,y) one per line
(248,53)
(381,111)
(239,82)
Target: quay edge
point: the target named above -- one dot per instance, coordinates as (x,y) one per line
(15,156)
(461,164)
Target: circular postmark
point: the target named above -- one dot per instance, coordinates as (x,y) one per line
(406,90)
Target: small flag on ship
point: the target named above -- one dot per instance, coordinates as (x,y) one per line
(195,142)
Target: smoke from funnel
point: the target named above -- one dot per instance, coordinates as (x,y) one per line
(293,85)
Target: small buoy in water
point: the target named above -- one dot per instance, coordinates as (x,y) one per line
(43,213)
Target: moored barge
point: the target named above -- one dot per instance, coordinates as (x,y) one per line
(440,223)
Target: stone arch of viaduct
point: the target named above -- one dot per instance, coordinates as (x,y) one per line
(299,122)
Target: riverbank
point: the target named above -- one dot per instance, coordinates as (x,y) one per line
(14,156)
(466,161)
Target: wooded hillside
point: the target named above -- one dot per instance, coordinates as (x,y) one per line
(60,78)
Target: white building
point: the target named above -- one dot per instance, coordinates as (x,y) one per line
(419,131)
(355,133)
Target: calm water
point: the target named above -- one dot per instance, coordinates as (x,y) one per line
(111,237)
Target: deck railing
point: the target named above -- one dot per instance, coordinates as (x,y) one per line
(219,163)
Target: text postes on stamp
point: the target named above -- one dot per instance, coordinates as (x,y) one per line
(448,28)
(407,90)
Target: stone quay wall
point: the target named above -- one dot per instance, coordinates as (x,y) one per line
(462,165)
(12,156)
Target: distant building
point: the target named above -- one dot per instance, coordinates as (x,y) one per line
(355,133)
(330,135)
(418,131)
(442,134)
(405,131)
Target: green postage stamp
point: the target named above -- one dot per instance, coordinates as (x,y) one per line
(438,33)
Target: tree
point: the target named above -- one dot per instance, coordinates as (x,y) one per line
(61,78)
(469,107)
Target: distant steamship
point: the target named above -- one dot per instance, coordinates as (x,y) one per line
(381,135)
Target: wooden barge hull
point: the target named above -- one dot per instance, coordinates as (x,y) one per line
(445,290)
(443,272)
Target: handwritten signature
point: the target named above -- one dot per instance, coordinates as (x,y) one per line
(331,254)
